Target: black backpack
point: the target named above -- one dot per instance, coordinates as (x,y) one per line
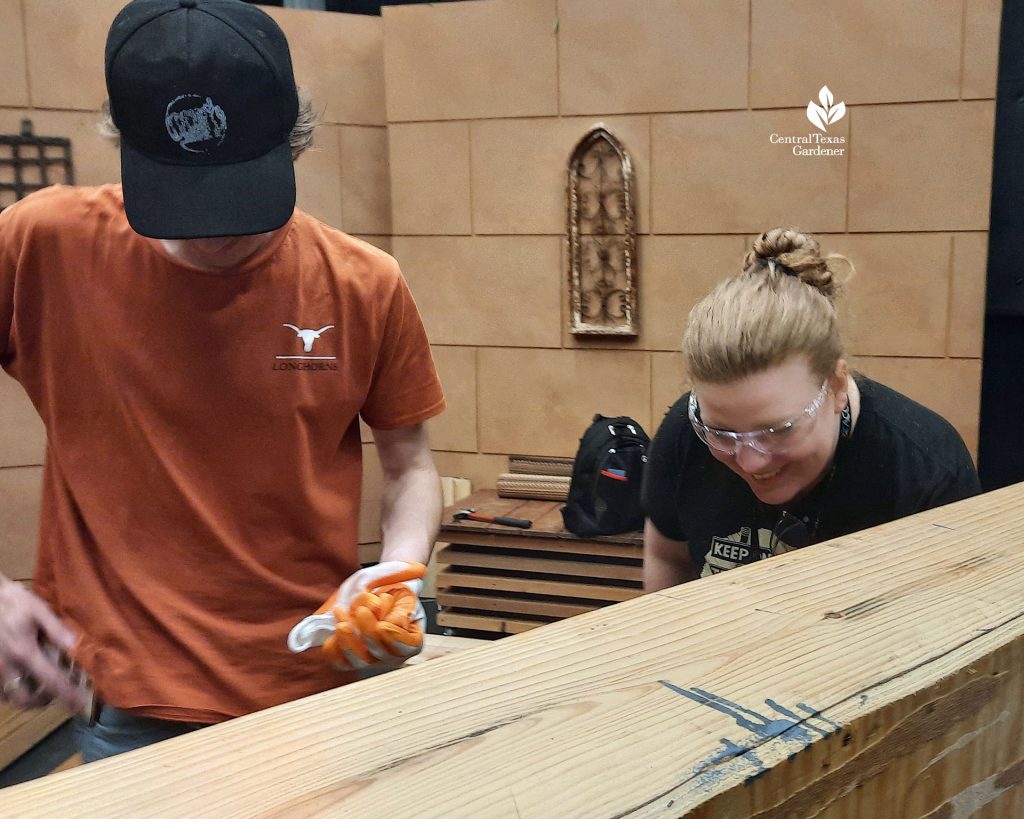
(604,493)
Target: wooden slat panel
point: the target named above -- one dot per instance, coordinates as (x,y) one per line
(21,730)
(513,605)
(481,622)
(877,675)
(453,556)
(556,547)
(452,490)
(552,588)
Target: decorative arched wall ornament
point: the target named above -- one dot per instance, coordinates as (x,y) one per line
(602,237)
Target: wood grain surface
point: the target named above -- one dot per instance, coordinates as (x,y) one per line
(876,675)
(20,730)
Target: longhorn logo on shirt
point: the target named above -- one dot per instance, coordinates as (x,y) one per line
(308,336)
(308,361)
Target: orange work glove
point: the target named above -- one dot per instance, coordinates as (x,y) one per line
(374,618)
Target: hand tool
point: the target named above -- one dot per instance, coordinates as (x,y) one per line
(472,514)
(91,704)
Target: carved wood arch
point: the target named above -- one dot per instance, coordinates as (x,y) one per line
(602,237)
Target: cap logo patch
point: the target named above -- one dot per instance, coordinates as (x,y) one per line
(197,126)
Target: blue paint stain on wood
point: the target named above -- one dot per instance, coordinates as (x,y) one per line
(788,725)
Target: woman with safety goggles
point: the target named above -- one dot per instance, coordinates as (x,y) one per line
(777,446)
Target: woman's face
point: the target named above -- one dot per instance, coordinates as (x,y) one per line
(767,399)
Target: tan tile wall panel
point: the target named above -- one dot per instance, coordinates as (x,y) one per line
(719,173)
(373,490)
(676,273)
(369,552)
(365,181)
(967,305)
(14,88)
(19,520)
(981,48)
(96,158)
(22,434)
(869,51)
(318,177)
(455,428)
(520,170)
(478,291)
(900,158)
(430,191)
(543,400)
(896,304)
(951,387)
(668,382)
(481,470)
(369,521)
(490,58)
(373,475)
(382,242)
(655,55)
(339,60)
(65,52)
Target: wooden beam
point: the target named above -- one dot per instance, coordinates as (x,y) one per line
(877,675)
(20,730)
(440,645)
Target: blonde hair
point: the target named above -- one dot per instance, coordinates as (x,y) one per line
(782,304)
(300,138)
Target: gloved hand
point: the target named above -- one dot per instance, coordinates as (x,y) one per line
(374,618)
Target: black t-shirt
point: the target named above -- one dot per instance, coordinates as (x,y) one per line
(901,458)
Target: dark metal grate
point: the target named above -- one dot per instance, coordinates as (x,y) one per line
(29,162)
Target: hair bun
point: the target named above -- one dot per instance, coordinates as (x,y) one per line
(786,251)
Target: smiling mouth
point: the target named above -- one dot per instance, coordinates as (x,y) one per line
(766,476)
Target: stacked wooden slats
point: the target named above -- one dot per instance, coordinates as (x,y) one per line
(539,465)
(536,487)
(535,477)
(504,580)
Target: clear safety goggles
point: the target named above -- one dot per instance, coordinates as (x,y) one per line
(771,440)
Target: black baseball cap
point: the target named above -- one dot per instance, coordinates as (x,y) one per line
(203,94)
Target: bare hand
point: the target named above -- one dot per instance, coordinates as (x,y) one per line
(28,677)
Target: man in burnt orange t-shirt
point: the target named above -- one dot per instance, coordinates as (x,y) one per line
(201,353)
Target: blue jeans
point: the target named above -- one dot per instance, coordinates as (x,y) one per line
(118,731)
